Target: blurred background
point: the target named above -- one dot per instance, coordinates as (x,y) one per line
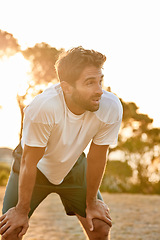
(34,33)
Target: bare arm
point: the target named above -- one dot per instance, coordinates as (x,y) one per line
(18,216)
(28,170)
(96,162)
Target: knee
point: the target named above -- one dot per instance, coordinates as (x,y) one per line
(101,230)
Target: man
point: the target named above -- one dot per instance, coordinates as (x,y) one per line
(58,126)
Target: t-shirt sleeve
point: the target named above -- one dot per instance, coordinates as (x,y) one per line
(108,134)
(111,117)
(36,134)
(38,123)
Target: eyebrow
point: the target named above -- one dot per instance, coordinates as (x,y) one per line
(89,78)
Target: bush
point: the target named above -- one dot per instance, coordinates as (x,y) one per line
(114,184)
(116,178)
(4,173)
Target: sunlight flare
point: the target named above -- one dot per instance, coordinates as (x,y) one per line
(14,75)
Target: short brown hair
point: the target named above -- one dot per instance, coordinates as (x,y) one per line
(70,64)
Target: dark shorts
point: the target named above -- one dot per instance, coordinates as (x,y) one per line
(72,190)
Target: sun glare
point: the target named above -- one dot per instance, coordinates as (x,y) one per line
(13,79)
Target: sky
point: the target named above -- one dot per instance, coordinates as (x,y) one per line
(126,31)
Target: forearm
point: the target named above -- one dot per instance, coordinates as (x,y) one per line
(95,171)
(26,184)
(28,171)
(95,208)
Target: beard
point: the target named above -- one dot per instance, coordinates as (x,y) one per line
(88,104)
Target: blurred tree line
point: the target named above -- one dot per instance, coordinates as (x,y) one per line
(139,148)
(134,164)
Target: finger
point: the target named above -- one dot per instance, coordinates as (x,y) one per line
(7,232)
(108,221)
(107,209)
(4,229)
(90,224)
(2,217)
(3,222)
(23,231)
(108,215)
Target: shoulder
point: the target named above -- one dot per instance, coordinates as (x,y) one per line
(110,110)
(45,107)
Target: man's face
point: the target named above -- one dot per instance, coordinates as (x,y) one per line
(86,93)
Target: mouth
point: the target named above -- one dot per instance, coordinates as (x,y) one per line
(96,101)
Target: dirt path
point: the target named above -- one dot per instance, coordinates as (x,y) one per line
(135,217)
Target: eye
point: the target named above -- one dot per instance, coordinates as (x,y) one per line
(90,82)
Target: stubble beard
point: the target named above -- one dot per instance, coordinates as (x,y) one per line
(86,105)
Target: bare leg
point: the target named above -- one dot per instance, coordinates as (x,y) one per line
(101,229)
(13,235)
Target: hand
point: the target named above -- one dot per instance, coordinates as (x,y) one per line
(13,219)
(97,209)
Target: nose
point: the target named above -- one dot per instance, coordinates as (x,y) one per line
(98,89)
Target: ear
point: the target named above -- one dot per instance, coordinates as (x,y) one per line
(66,87)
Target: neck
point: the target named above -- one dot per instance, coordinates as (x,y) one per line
(74,108)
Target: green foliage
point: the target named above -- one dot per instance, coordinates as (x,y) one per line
(116,177)
(117,180)
(131,114)
(42,57)
(8,44)
(134,145)
(140,143)
(153,135)
(114,184)
(4,173)
(118,169)
(129,110)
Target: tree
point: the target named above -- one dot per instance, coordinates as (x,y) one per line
(141,144)
(8,44)
(117,176)
(42,57)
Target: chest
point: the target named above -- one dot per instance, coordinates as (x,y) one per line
(69,131)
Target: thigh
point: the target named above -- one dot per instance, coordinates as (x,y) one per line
(11,193)
(41,190)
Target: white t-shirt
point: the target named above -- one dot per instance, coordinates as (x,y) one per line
(49,123)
